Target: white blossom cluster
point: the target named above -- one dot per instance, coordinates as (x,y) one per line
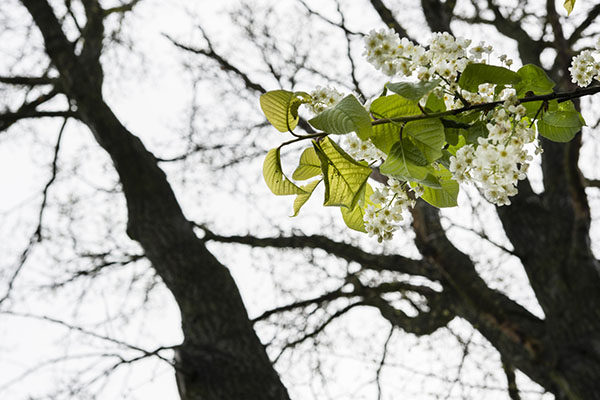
(323,98)
(499,161)
(444,57)
(383,216)
(584,67)
(363,150)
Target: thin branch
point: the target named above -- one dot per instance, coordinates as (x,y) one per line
(592,183)
(339,25)
(27,80)
(223,63)
(388,18)
(349,53)
(123,8)
(560,96)
(316,331)
(382,362)
(513,389)
(37,237)
(591,17)
(93,334)
(378,262)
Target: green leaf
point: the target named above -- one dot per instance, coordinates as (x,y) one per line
(561,125)
(477,130)
(428,135)
(411,90)
(435,104)
(309,165)
(279,184)
(385,135)
(446,195)
(406,162)
(569,4)
(476,74)
(303,197)
(346,116)
(533,79)
(281,108)
(344,177)
(354,218)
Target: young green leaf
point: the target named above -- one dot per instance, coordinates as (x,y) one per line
(428,135)
(411,90)
(444,196)
(309,165)
(562,124)
(279,184)
(303,197)
(344,177)
(533,79)
(385,135)
(281,108)
(406,162)
(476,74)
(354,218)
(346,116)
(569,4)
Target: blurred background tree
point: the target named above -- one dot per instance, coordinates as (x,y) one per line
(120,240)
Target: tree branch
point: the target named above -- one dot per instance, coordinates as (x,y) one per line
(388,18)
(378,262)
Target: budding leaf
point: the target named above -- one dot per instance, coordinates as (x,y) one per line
(385,135)
(346,116)
(309,165)
(476,74)
(279,184)
(303,197)
(411,90)
(354,218)
(281,108)
(344,177)
(569,4)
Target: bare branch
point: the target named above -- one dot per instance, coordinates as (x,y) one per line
(388,18)
(27,80)
(223,63)
(378,262)
(123,8)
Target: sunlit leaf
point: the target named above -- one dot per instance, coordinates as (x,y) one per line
(385,135)
(354,218)
(569,4)
(344,177)
(281,108)
(444,196)
(346,116)
(276,181)
(309,165)
(303,197)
